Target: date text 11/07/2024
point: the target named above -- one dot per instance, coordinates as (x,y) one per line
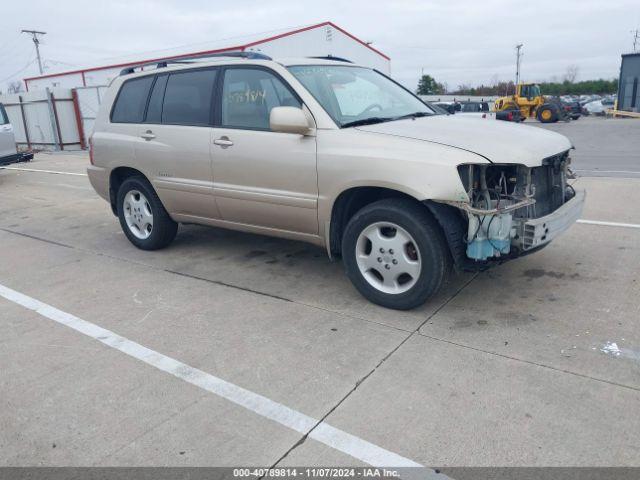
(315,472)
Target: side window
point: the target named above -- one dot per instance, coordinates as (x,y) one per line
(154,110)
(249,94)
(132,100)
(188,98)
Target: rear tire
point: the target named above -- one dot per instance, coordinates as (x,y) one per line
(143,218)
(395,253)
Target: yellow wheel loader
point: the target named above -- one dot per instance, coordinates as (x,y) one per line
(532,104)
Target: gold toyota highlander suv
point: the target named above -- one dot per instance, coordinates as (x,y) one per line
(331,153)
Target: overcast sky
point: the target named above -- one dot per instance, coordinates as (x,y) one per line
(456,41)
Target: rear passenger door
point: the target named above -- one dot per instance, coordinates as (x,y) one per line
(174,141)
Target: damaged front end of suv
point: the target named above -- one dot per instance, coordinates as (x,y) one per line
(512,210)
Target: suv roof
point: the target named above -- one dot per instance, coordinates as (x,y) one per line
(232,59)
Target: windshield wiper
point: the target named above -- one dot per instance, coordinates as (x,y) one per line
(367,121)
(373,120)
(414,115)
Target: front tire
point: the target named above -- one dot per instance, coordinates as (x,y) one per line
(395,253)
(143,218)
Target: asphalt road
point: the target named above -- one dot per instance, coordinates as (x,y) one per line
(605,147)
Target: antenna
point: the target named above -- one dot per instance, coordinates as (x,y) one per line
(36,41)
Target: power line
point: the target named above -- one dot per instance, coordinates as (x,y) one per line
(36,41)
(19,71)
(5,45)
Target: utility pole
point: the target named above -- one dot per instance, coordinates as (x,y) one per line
(518,55)
(636,36)
(36,41)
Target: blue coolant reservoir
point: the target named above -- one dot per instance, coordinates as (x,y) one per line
(483,249)
(489,236)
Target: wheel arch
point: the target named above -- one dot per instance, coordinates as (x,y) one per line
(353,199)
(116,177)
(450,220)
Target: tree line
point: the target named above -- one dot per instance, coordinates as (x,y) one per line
(429,86)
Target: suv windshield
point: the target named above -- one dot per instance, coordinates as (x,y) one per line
(356,95)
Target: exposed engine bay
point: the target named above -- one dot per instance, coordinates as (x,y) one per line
(509,204)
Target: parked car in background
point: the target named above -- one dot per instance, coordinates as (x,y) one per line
(510,115)
(7,140)
(449,107)
(571,107)
(609,101)
(584,99)
(333,154)
(8,152)
(483,109)
(594,108)
(479,109)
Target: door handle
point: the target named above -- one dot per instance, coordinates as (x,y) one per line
(224,142)
(148,135)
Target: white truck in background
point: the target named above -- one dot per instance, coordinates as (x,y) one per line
(8,151)
(476,109)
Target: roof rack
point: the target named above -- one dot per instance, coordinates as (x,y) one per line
(331,57)
(161,64)
(248,55)
(186,60)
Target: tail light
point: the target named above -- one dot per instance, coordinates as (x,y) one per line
(509,116)
(91,150)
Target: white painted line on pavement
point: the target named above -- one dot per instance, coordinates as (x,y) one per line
(43,171)
(588,222)
(333,437)
(632,172)
(609,224)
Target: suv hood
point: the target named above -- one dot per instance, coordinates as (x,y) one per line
(497,141)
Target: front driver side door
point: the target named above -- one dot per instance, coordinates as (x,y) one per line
(262,178)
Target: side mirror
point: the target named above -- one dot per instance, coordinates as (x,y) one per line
(288,120)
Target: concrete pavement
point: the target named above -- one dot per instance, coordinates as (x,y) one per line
(503,368)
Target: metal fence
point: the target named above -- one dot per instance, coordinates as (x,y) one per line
(53,119)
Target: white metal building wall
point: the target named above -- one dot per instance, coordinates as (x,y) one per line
(50,119)
(321,40)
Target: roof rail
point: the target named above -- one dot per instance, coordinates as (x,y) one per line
(160,64)
(331,57)
(165,63)
(248,55)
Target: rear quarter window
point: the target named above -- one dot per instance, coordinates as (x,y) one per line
(132,100)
